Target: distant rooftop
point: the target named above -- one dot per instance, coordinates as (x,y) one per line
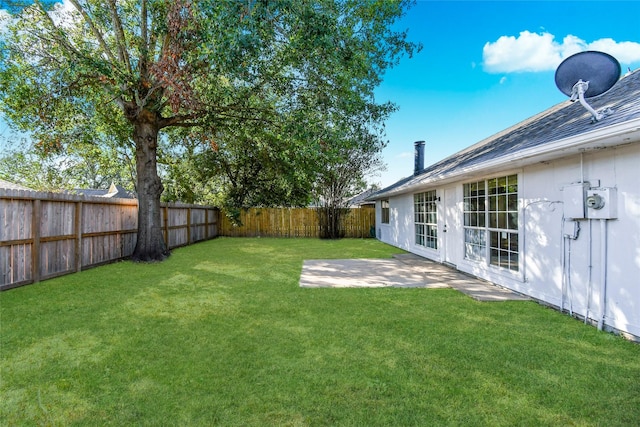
(11,186)
(114,191)
(361,199)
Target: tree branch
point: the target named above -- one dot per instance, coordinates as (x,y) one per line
(144,43)
(121,43)
(184,120)
(95,30)
(61,40)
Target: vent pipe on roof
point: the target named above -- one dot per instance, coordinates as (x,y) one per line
(418,161)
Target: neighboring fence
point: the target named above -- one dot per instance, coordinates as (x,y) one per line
(43,235)
(294,222)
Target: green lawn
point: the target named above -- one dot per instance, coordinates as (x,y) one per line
(221,334)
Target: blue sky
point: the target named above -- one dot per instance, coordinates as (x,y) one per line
(487,65)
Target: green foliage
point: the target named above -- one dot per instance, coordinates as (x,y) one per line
(240,167)
(221,334)
(84,165)
(266,84)
(30,169)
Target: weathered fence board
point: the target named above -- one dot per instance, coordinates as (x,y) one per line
(44,235)
(293,222)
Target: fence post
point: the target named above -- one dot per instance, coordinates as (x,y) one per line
(189,225)
(35,249)
(166,226)
(78,232)
(206,223)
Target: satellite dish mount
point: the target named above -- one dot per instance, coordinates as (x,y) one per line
(588,74)
(577,93)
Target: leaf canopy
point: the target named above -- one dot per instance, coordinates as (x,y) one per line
(290,75)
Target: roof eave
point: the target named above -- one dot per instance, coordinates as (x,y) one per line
(606,137)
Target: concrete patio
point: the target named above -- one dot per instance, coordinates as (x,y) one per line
(401,271)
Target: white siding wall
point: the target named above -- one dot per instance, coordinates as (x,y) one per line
(542,243)
(544,239)
(400,231)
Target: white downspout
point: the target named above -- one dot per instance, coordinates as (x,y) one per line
(569,287)
(589,281)
(603,273)
(563,288)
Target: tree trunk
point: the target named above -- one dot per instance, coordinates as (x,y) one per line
(150,245)
(330,218)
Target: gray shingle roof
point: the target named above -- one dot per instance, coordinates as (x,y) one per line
(361,198)
(11,186)
(564,120)
(114,191)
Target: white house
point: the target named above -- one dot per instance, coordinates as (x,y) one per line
(549,207)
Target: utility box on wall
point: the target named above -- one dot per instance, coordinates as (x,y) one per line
(573,198)
(602,203)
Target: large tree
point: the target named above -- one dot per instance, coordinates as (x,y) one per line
(156,64)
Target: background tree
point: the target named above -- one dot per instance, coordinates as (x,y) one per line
(347,158)
(84,166)
(244,165)
(198,65)
(29,168)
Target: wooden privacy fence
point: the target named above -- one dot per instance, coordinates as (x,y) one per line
(43,235)
(294,222)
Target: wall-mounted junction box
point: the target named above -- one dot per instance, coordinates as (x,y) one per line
(573,198)
(602,203)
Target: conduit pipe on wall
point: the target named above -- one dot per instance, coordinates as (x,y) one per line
(603,273)
(567,286)
(589,281)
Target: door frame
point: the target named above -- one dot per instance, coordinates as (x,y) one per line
(450,224)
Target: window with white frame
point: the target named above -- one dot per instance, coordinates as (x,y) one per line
(491,221)
(426,219)
(384,210)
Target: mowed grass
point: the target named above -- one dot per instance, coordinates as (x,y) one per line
(221,334)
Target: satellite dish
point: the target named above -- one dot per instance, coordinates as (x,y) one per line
(588,74)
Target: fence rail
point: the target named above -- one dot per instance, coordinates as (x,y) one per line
(294,222)
(44,235)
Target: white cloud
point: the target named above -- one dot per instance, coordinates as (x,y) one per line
(503,80)
(625,52)
(64,14)
(527,52)
(5,19)
(404,154)
(532,52)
